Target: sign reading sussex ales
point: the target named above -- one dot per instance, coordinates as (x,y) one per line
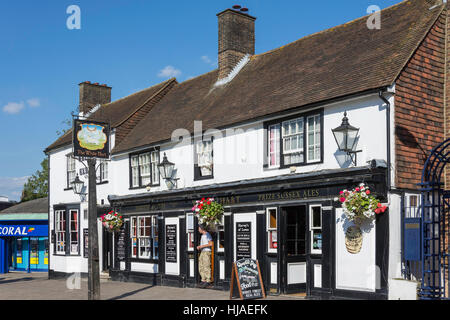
(90,139)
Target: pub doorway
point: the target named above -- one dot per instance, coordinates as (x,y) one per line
(294,249)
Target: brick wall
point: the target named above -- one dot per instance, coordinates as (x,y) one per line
(92,94)
(236,39)
(126,126)
(419,107)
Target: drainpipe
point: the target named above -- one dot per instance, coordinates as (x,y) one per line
(388,141)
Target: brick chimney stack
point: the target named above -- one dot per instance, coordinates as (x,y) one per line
(92,94)
(236,38)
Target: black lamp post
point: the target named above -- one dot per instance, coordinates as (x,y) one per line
(346,136)
(166,169)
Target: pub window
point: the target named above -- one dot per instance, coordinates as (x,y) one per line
(73,231)
(144,237)
(221,235)
(271,214)
(190,231)
(144,169)
(204,163)
(102,175)
(294,141)
(316,229)
(71,171)
(60,231)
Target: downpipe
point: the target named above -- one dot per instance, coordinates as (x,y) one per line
(388,133)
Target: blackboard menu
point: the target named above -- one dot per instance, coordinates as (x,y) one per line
(121,245)
(243,240)
(171,243)
(248,277)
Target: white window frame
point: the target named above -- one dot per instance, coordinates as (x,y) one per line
(312,229)
(103,171)
(276,143)
(134,166)
(269,230)
(133,225)
(190,232)
(152,238)
(154,162)
(317,144)
(71,241)
(300,137)
(60,235)
(145,169)
(220,228)
(71,170)
(144,237)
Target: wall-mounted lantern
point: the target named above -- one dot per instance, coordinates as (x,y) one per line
(166,169)
(346,137)
(78,186)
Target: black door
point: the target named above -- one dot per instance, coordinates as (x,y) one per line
(294,249)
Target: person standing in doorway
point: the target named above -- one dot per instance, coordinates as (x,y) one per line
(204,263)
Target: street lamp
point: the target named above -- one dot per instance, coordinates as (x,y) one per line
(78,186)
(166,170)
(346,137)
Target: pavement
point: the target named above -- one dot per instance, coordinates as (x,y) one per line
(37,286)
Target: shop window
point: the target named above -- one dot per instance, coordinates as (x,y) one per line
(60,231)
(295,141)
(70,170)
(203,162)
(221,235)
(144,237)
(296,232)
(271,214)
(144,169)
(190,231)
(316,229)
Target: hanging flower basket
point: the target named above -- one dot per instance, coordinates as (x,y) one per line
(112,221)
(359,205)
(208,212)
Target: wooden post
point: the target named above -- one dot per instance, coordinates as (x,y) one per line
(93,261)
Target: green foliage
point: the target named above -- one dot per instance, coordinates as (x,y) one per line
(37,185)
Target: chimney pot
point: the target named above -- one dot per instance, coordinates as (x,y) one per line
(245,10)
(237,7)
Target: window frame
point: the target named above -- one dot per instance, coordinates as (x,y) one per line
(70,156)
(154,234)
(101,169)
(190,232)
(312,228)
(269,230)
(58,214)
(280,121)
(221,228)
(138,155)
(197,169)
(66,215)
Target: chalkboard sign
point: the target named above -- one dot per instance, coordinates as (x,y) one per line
(243,240)
(121,245)
(171,243)
(247,274)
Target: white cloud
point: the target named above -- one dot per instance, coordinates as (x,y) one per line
(14,107)
(12,187)
(207,60)
(169,72)
(34,102)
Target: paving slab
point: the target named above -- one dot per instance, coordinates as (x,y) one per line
(37,286)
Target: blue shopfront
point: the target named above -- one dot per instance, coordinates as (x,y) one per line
(23,246)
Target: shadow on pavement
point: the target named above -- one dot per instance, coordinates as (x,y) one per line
(15,280)
(127,294)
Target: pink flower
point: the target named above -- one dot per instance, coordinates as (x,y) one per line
(357,189)
(367,192)
(342,192)
(342,199)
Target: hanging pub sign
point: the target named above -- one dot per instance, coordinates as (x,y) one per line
(91,139)
(246,275)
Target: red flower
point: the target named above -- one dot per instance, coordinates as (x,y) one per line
(209,202)
(203,199)
(367,192)
(378,211)
(379,205)
(342,199)
(342,192)
(120,217)
(357,189)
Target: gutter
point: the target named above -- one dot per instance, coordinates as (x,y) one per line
(388,134)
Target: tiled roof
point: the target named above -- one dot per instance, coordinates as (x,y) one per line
(334,63)
(117,111)
(30,207)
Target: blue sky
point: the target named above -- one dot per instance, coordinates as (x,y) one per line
(127,44)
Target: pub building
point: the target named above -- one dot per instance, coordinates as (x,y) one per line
(274,137)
